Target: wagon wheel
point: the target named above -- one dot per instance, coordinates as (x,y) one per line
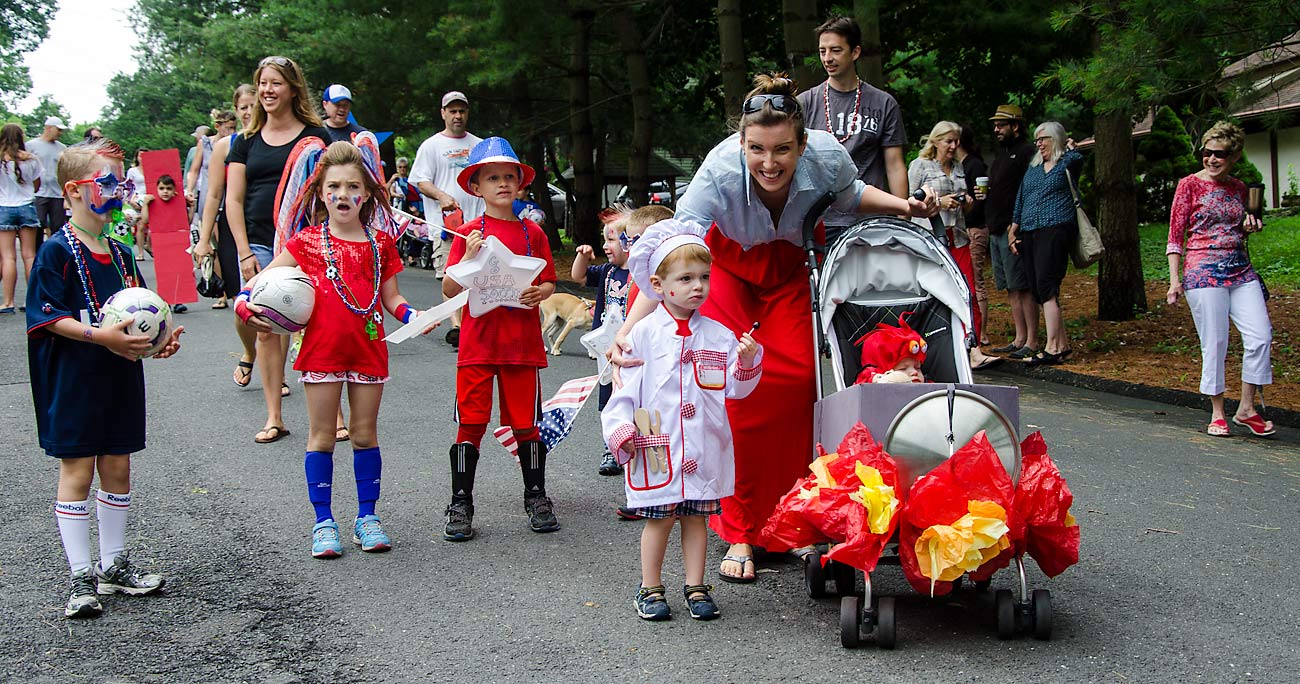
(846,579)
(814,577)
(1041,601)
(1006,609)
(885,632)
(850,621)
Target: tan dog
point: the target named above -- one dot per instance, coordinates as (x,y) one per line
(561,313)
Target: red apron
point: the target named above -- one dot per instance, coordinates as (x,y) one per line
(772,427)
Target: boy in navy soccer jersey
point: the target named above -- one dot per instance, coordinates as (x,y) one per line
(87,381)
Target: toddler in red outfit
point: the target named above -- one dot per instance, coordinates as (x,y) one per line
(504,343)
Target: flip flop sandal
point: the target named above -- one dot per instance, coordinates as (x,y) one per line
(742,560)
(277,433)
(1023,353)
(988,362)
(342,434)
(1218,428)
(284,389)
(221,305)
(1256,424)
(245,370)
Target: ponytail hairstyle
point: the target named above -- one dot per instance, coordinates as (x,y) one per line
(344,153)
(779,88)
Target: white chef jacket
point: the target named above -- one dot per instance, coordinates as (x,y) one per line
(686,378)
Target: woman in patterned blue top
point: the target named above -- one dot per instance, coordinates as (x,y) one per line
(1043,228)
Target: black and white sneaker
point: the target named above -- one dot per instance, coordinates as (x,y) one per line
(541,514)
(609,465)
(124,578)
(82,603)
(460,519)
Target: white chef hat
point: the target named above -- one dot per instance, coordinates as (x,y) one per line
(655,244)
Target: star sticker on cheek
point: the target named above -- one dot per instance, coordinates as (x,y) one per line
(495,277)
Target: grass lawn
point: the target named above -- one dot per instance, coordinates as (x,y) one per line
(1275,252)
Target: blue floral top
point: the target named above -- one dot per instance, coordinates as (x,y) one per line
(1045,199)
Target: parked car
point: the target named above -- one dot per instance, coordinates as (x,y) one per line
(659,192)
(558,204)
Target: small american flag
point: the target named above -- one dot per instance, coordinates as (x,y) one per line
(558,414)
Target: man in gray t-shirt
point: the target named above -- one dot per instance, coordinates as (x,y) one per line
(49,197)
(865,119)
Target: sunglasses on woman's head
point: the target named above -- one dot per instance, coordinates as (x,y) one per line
(276,61)
(781,103)
(1218,154)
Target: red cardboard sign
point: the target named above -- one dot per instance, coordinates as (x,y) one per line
(169,229)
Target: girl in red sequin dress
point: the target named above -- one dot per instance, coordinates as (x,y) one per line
(352,268)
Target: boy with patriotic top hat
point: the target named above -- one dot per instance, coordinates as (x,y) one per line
(504,343)
(693,364)
(892,354)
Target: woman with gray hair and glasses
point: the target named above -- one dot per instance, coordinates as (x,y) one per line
(1042,229)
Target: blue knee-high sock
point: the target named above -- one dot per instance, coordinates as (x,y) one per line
(367,464)
(320,481)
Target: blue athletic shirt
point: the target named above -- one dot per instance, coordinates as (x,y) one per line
(89,401)
(610,282)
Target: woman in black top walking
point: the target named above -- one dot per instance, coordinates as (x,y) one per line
(283,115)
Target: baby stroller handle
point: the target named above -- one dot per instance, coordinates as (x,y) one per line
(814,277)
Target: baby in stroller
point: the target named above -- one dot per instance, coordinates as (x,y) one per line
(892,354)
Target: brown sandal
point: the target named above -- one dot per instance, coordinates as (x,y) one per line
(276,432)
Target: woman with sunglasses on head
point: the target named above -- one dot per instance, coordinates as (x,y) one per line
(1208,230)
(754,189)
(1043,227)
(282,115)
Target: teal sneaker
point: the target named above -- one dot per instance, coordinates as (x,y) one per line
(369,535)
(325,540)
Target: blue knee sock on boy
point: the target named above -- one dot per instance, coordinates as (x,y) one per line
(320,482)
(367,464)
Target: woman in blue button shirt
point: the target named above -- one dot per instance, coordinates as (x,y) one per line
(754,189)
(1043,228)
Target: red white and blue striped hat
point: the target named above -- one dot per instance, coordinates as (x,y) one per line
(493,151)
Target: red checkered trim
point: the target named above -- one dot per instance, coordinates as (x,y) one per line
(690,466)
(743,374)
(620,437)
(688,410)
(647,441)
(704,355)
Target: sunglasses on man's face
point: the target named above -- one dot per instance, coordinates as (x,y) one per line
(1206,153)
(781,103)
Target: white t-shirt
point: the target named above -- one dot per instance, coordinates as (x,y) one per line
(13,193)
(48,153)
(439,160)
(135,174)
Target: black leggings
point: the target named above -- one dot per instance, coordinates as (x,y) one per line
(227,256)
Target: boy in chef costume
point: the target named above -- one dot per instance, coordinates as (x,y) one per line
(679,461)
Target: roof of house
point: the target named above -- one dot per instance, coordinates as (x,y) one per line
(1282,52)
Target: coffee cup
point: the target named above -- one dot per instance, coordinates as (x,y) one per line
(981,187)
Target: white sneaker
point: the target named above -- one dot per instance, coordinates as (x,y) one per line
(82,603)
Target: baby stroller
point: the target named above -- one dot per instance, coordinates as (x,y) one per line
(879,269)
(414,242)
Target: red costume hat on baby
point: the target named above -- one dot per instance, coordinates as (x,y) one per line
(884,347)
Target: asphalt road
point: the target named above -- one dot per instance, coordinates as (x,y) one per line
(1187,570)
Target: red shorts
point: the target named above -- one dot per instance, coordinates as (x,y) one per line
(518,389)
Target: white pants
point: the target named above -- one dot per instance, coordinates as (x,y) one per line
(1212,307)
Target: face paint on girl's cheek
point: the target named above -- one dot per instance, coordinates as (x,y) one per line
(356,200)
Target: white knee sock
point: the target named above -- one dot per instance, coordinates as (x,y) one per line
(74,527)
(111,511)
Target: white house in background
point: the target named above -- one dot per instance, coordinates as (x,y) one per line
(1270,111)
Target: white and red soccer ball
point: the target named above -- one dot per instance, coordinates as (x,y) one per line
(286,296)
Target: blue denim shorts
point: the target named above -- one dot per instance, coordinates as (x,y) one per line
(13,218)
(263,253)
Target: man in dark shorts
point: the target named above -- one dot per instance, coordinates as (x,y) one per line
(1014,153)
(337,101)
(49,197)
(865,119)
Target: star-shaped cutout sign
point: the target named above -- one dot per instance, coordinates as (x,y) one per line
(495,276)
(599,340)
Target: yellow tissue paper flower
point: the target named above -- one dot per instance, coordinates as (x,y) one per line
(946,552)
(876,496)
(820,469)
(1069,520)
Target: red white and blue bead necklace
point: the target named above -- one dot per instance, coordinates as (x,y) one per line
(83,269)
(372,315)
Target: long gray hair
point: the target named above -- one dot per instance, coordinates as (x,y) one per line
(1057,132)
